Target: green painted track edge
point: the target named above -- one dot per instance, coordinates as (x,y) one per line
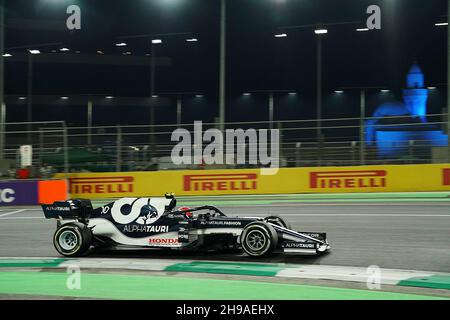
(228,268)
(139,287)
(250,269)
(31,263)
(433,282)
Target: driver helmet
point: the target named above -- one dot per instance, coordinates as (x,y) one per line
(148,212)
(187,213)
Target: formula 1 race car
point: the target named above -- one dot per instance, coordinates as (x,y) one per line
(155,223)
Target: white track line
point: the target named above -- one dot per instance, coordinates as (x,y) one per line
(301,215)
(300,271)
(349,204)
(365,215)
(13,212)
(23,218)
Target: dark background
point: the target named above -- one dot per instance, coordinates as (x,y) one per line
(256,60)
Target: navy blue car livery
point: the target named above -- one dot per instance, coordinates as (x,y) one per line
(156,223)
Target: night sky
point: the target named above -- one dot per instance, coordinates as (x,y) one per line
(256,60)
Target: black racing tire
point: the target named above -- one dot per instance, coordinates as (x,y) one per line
(259,239)
(72,239)
(278,221)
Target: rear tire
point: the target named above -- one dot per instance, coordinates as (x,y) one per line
(259,239)
(72,239)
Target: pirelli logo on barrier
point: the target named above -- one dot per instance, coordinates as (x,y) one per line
(348,179)
(220,182)
(446,177)
(100,185)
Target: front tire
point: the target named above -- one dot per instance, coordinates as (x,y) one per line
(259,239)
(72,239)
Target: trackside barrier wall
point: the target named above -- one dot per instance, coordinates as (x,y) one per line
(26,193)
(395,178)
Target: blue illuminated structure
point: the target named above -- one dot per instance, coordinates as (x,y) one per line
(416,96)
(394,141)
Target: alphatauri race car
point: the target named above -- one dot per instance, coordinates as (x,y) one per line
(155,223)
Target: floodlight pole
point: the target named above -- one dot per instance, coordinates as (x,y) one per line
(222,81)
(2,79)
(153,69)
(30,97)
(152,94)
(319,98)
(448,84)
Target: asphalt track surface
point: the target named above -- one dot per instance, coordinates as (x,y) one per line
(413,236)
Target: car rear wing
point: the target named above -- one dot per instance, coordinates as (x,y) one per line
(78,209)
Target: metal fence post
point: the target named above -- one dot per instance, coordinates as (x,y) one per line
(119,150)
(89,121)
(66,149)
(271,109)
(353,146)
(280,128)
(2,130)
(41,146)
(179,105)
(411,151)
(152,129)
(298,146)
(362,147)
(320,148)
